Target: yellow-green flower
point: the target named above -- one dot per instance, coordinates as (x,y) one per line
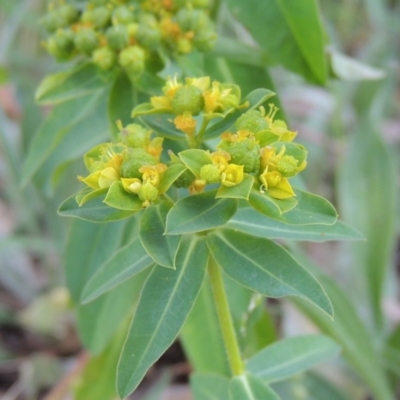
(186,123)
(277,186)
(232,175)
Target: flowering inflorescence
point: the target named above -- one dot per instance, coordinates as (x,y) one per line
(256,153)
(127,32)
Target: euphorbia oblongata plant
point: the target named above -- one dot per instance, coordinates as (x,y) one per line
(196,207)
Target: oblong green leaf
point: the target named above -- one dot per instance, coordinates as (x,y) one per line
(170,176)
(76,82)
(118,197)
(166,299)
(250,221)
(253,100)
(240,191)
(290,31)
(162,248)
(290,356)
(65,118)
(94,210)
(310,209)
(122,265)
(163,125)
(194,159)
(209,386)
(265,267)
(249,387)
(198,213)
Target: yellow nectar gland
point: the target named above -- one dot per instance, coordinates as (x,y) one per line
(186,123)
(232,175)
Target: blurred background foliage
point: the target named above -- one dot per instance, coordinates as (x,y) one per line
(351,127)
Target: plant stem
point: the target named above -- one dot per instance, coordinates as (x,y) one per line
(225,319)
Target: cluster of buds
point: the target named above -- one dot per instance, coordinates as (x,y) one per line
(127,32)
(194,97)
(260,148)
(133,164)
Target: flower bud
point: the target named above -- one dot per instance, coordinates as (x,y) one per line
(61,44)
(148,193)
(99,2)
(148,36)
(190,19)
(117,37)
(86,40)
(246,153)
(100,17)
(134,135)
(53,21)
(188,99)
(134,160)
(252,121)
(122,15)
(287,166)
(210,173)
(204,39)
(132,59)
(104,58)
(68,12)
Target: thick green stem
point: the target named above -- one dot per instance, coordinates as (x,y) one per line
(225,319)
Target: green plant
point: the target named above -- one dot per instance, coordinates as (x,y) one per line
(172,220)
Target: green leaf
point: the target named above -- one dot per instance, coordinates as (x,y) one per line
(97,380)
(122,265)
(162,248)
(120,103)
(370,204)
(310,209)
(240,191)
(290,356)
(163,125)
(350,69)
(202,326)
(95,210)
(149,83)
(198,213)
(209,386)
(348,330)
(289,31)
(68,85)
(170,176)
(253,99)
(117,197)
(194,159)
(68,119)
(82,256)
(250,221)
(166,299)
(239,52)
(88,246)
(265,267)
(249,387)
(98,320)
(87,194)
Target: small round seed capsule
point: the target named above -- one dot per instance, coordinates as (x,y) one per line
(188,99)
(122,15)
(117,37)
(86,40)
(204,39)
(135,159)
(68,12)
(148,37)
(252,121)
(132,60)
(104,58)
(100,17)
(61,44)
